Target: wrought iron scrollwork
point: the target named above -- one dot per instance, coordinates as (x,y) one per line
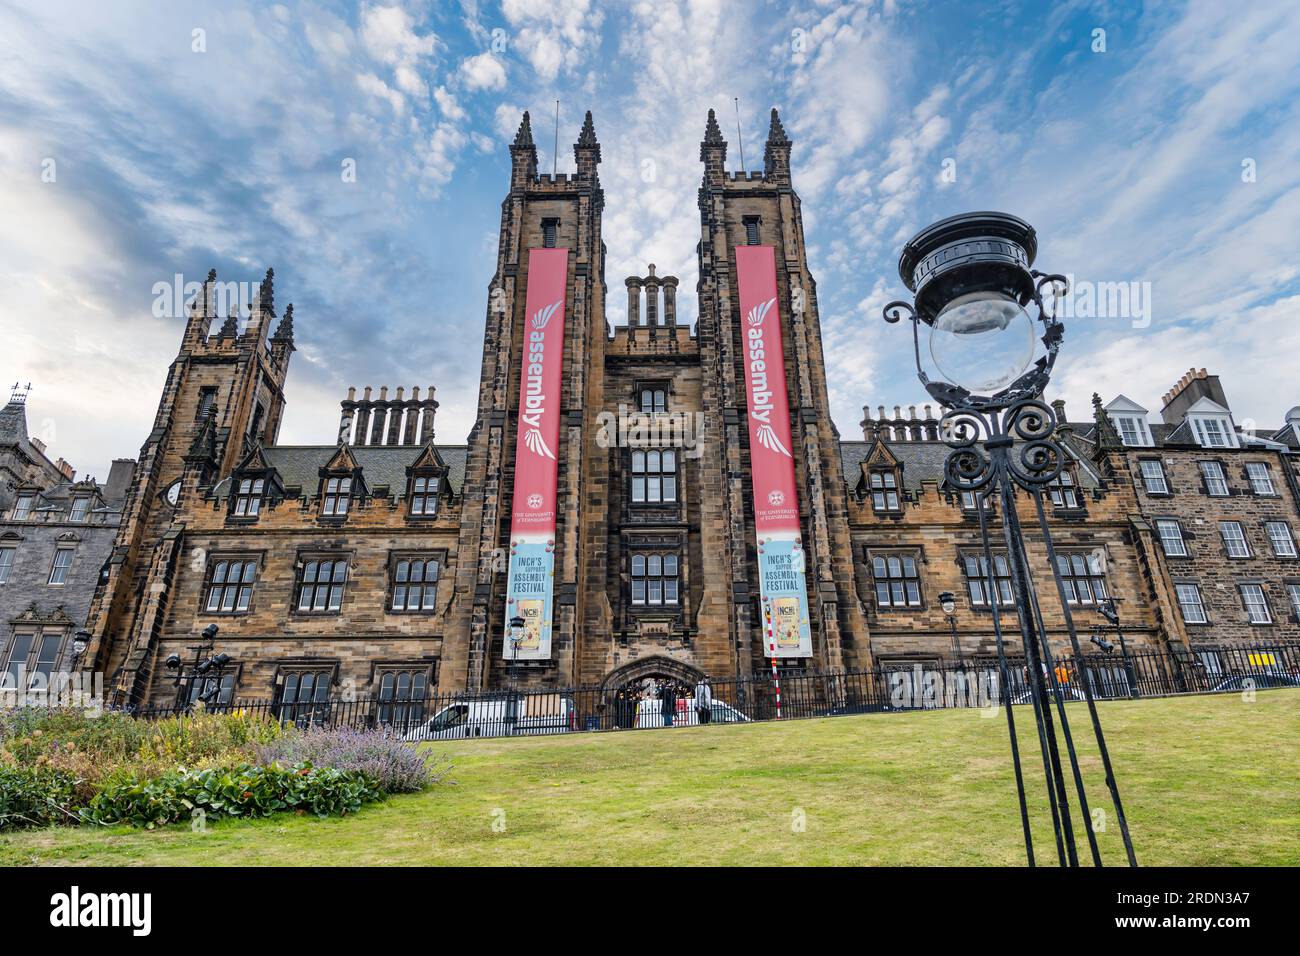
(1017,443)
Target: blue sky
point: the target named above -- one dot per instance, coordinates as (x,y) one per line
(1165,150)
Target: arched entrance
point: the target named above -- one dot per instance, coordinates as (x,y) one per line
(624,686)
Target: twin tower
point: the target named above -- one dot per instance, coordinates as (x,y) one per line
(707,531)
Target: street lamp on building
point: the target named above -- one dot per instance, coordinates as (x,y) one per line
(80,641)
(517,624)
(990,358)
(207,668)
(1111,613)
(948,602)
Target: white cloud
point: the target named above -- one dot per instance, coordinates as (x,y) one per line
(483,72)
(554,35)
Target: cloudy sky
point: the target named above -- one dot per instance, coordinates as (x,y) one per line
(1156,147)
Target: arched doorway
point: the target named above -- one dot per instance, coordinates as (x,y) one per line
(624,686)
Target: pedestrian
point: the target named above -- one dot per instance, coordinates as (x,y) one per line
(667,702)
(704,700)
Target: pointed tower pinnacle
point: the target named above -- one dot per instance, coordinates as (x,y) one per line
(713,152)
(524,137)
(266,293)
(776,155)
(586,151)
(284,331)
(230,328)
(1107,438)
(523,156)
(776,132)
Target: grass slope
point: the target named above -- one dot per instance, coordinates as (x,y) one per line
(1205,781)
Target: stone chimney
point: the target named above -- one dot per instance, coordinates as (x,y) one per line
(1187,391)
(400,420)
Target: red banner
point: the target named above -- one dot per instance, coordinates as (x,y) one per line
(533,519)
(770,448)
(771,452)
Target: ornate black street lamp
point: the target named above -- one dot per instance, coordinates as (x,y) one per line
(973,289)
(1111,613)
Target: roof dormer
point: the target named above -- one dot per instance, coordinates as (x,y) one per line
(1130,421)
(1211,424)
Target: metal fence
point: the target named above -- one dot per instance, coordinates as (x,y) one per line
(888,687)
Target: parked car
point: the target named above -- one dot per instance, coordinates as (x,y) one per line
(1253,681)
(648,714)
(505,715)
(1069,692)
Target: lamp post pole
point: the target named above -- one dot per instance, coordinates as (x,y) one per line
(972,285)
(1111,613)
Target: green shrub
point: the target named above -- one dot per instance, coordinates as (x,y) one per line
(37,797)
(240,791)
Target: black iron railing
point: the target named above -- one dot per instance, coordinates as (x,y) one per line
(889,687)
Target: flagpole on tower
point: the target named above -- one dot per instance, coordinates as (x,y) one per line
(740,140)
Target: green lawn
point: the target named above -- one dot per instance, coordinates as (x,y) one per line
(1205,781)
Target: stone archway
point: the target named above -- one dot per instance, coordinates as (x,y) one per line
(658,666)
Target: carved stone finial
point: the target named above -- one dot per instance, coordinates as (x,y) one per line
(1107,437)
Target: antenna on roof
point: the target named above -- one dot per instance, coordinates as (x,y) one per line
(18,395)
(555,154)
(740,140)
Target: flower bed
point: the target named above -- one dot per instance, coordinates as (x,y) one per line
(66,767)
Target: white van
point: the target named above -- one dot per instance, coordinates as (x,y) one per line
(649,713)
(504,715)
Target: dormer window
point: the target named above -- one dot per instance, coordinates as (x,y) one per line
(884,490)
(23,507)
(1132,431)
(248,497)
(1130,421)
(80,508)
(336,496)
(424,496)
(1212,431)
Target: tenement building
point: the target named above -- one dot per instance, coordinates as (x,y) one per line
(652,499)
(56,533)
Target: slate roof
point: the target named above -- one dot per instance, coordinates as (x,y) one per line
(921,461)
(300,465)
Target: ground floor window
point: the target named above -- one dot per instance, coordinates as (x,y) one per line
(402,696)
(29,659)
(304,696)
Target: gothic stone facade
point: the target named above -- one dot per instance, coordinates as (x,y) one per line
(378,562)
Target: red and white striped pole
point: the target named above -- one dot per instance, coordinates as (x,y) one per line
(771,648)
(776,680)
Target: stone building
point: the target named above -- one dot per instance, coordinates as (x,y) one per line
(647,500)
(56,533)
(1219,500)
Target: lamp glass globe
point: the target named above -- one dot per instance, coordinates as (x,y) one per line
(982,341)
